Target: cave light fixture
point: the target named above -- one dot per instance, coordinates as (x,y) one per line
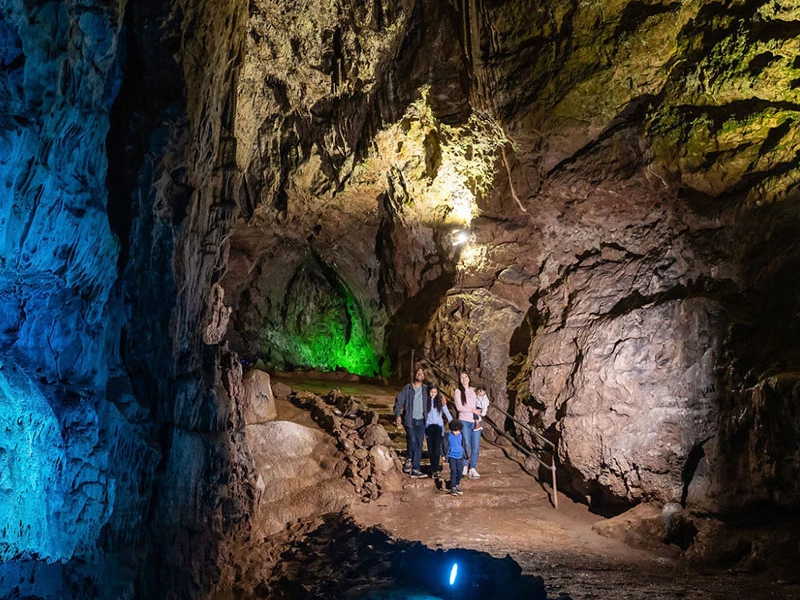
(460,237)
(453,573)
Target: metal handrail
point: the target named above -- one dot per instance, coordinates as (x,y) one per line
(551,467)
(538,435)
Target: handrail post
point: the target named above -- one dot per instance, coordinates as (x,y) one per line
(555,487)
(411,374)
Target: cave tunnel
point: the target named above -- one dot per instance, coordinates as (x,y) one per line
(231,232)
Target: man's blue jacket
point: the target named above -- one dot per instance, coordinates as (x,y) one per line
(404,403)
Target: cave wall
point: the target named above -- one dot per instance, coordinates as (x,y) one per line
(72,461)
(654,162)
(114,393)
(320,118)
(179,173)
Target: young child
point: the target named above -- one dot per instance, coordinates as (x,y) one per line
(482,404)
(455,456)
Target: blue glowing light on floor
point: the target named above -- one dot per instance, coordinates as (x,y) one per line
(453,574)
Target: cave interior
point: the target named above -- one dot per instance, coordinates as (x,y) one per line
(208,208)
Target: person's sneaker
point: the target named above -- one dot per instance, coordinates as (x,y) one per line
(459,491)
(473,473)
(454,492)
(464,470)
(418,474)
(407,467)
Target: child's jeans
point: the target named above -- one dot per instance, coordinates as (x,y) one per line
(456,467)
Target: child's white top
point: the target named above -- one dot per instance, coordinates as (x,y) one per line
(482,402)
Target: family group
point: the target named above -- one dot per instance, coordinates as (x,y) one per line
(421,409)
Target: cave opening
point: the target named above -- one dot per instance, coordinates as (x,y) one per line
(321,325)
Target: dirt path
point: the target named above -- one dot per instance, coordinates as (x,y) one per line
(507,511)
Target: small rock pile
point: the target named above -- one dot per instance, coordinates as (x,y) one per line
(372,464)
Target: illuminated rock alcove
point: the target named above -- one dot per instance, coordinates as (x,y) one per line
(592,206)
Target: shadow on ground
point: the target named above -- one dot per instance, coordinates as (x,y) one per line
(341,561)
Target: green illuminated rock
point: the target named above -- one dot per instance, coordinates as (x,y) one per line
(322,325)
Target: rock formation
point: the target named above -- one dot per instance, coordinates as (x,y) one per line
(593,206)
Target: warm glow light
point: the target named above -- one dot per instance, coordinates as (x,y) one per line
(440,171)
(463,206)
(460,237)
(472,256)
(453,573)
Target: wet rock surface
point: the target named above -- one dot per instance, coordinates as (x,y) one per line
(341,560)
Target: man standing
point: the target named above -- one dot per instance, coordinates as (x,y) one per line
(409,409)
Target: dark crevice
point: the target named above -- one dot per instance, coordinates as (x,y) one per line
(702,287)
(761,62)
(753,178)
(714,22)
(636,13)
(739,110)
(774,29)
(634,112)
(696,454)
(518,373)
(775,135)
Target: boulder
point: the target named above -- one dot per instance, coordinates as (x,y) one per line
(376,435)
(640,527)
(281,390)
(259,403)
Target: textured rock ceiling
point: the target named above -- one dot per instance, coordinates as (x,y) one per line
(186,182)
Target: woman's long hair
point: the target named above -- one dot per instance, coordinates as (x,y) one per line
(461,385)
(436,401)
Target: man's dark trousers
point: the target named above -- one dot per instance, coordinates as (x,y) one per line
(415,435)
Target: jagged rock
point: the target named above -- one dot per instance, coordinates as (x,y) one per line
(627,173)
(374,435)
(640,527)
(632,403)
(258,403)
(217,316)
(383,459)
(280,390)
(289,458)
(340,468)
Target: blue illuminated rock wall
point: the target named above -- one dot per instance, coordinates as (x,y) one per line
(57,252)
(31,464)
(73,462)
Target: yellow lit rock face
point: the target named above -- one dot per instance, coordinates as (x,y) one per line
(298,54)
(443,169)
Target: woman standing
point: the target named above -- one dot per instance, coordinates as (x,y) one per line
(467,407)
(434,427)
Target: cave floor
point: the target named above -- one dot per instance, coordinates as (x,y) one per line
(507,511)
